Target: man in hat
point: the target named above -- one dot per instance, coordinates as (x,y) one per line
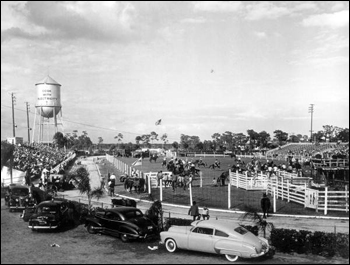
(265,205)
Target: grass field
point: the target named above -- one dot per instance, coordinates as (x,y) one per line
(214,197)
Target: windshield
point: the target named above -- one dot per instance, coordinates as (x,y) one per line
(47,209)
(241,230)
(20,192)
(133,214)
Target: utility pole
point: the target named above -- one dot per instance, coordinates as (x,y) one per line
(311,110)
(27,107)
(13,98)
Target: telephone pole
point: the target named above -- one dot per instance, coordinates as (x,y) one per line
(13,98)
(311,110)
(27,107)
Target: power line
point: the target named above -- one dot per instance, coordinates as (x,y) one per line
(84,124)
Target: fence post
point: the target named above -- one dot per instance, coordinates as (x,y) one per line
(190,189)
(246,180)
(149,183)
(274,199)
(346,199)
(288,189)
(161,190)
(201,179)
(229,191)
(325,200)
(237,178)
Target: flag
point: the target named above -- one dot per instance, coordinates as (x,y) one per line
(158,122)
(138,162)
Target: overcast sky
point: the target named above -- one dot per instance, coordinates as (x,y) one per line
(201,67)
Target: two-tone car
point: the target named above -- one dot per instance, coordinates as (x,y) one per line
(218,237)
(19,197)
(127,223)
(50,215)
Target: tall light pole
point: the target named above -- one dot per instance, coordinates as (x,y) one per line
(27,107)
(311,110)
(13,98)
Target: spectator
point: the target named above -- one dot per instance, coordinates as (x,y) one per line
(205,213)
(265,205)
(159,177)
(215,183)
(194,211)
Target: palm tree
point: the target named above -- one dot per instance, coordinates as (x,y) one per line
(81,176)
(253,216)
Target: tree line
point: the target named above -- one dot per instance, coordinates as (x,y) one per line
(220,141)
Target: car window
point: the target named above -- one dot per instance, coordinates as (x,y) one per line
(241,230)
(220,233)
(46,209)
(203,230)
(20,192)
(133,214)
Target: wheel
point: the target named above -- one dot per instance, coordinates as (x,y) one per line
(170,245)
(90,229)
(124,238)
(231,258)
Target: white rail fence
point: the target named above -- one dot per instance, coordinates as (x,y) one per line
(284,186)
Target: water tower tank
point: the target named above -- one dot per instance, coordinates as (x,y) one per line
(48,97)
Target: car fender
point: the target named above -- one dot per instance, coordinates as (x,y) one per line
(92,220)
(229,247)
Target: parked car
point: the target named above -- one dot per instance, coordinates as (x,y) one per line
(125,222)
(53,214)
(216,236)
(19,197)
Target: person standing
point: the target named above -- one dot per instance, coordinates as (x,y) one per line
(205,213)
(159,177)
(174,181)
(194,211)
(265,205)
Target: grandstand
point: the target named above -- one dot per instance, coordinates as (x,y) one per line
(310,149)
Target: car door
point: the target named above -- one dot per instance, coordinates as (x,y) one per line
(201,239)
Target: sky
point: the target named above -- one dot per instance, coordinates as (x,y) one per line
(201,67)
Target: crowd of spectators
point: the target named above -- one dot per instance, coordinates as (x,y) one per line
(270,168)
(42,164)
(308,150)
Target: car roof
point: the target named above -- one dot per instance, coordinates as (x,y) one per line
(122,209)
(217,224)
(18,187)
(50,203)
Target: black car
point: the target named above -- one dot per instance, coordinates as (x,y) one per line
(125,222)
(18,197)
(53,214)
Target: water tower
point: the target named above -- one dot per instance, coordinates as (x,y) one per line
(47,107)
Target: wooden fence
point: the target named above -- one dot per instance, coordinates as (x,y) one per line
(293,189)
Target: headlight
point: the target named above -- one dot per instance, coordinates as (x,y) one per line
(17,200)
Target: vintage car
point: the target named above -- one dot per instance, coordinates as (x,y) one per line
(215,236)
(19,197)
(125,222)
(49,215)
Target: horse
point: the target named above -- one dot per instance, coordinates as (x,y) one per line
(200,163)
(128,184)
(139,185)
(153,157)
(164,163)
(213,166)
(155,213)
